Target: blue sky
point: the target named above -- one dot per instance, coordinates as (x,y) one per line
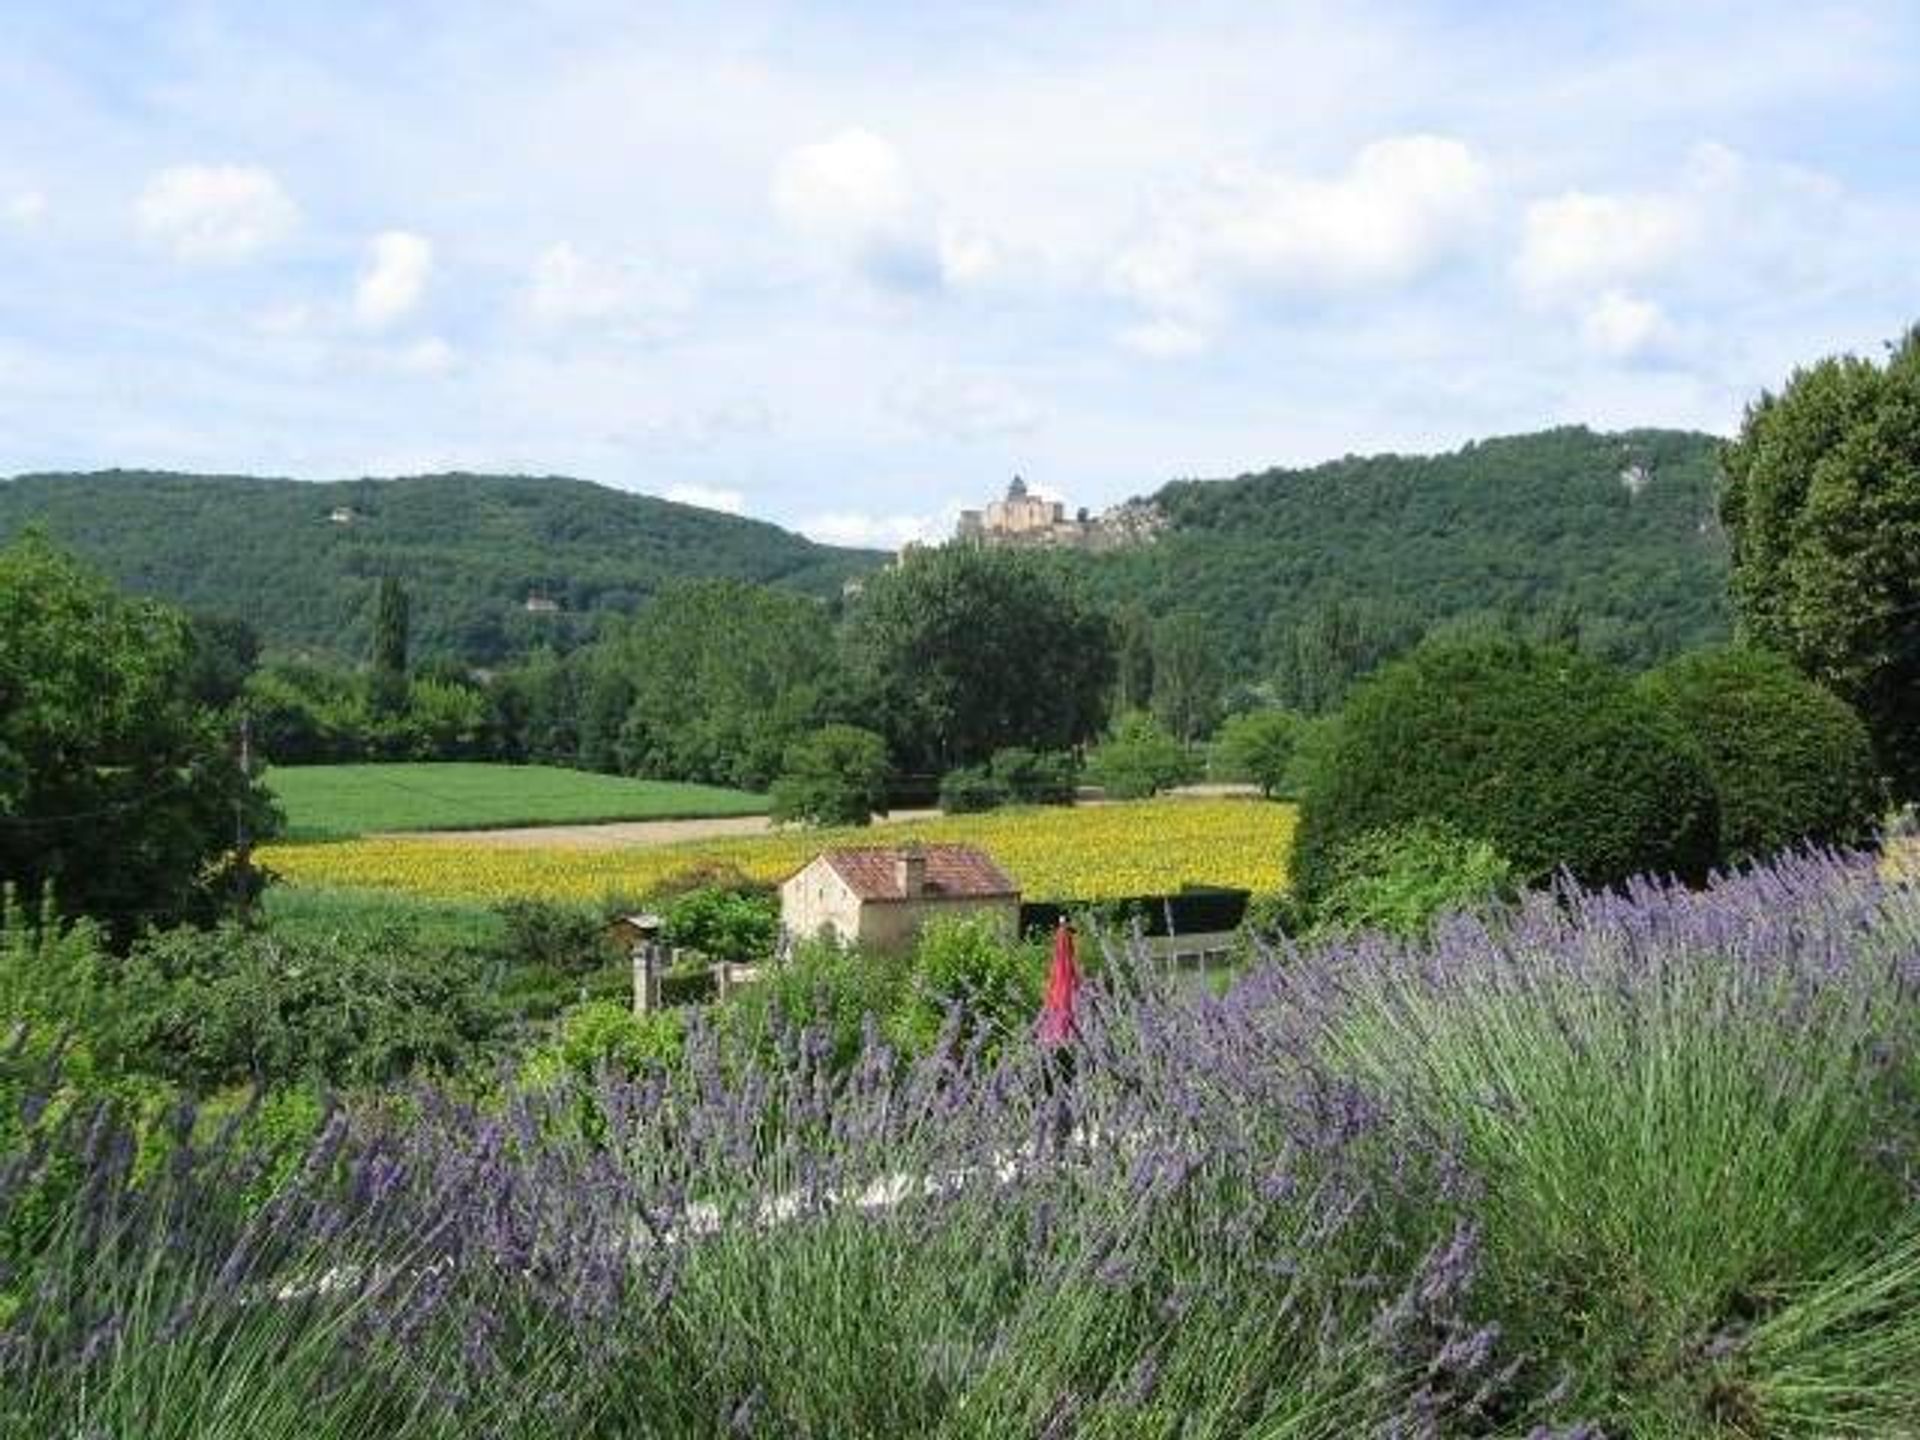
(849,266)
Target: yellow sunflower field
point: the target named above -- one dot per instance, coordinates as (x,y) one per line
(1096,852)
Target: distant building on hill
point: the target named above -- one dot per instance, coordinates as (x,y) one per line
(1022,518)
(538,604)
(879,897)
(343,515)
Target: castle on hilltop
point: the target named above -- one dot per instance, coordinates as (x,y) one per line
(1023,518)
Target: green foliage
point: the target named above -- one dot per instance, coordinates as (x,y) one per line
(822,987)
(569,940)
(1188,679)
(724,924)
(1259,748)
(116,788)
(971,790)
(222,1007)
(974,965)
(1789,761)
(963,650)
(1822,501)
(1400,879)
(391,628)
(836,776)
(1139,759)
(1549,755)
(712,681)
(1407,541)
(601,1035)
(473,548)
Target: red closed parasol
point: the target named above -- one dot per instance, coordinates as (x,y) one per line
(1063,987)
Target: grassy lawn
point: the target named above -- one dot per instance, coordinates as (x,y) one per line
(338,801)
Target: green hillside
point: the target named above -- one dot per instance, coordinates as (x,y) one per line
(471,548)
(1617,531)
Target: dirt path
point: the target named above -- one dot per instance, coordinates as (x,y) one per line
(620,834)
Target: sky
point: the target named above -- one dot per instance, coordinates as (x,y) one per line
(850,266)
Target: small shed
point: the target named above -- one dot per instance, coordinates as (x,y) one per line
(879,897)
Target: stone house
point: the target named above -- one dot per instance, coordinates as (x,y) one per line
(879,897)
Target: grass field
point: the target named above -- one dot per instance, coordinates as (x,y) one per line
(1100,852)
(335,801)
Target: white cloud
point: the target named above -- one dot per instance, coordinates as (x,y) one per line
(1579,240)
(1624,327)
(879,532)
(1403,205)
(25,207)
(567,287)
(852,198)
(431,356)
(215,212)
(1164,339)
(709,497)
(394,277)
(965,405)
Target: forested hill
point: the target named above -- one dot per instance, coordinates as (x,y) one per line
(1616,533)
(471,549)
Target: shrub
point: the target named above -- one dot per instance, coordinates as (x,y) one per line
(1790,761)
(1035,777)
(723,925)
(1550,756)
(567,940)
(1139,759)
(823,988)
(1258,747)
(974,964)
(835,776)
(1399,879)
(602,1035)
(971,790)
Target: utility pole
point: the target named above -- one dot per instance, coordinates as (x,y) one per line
(242,838)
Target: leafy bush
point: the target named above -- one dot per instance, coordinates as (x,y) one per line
(1258,747)
(994,979)
(1036,777)
(835,776)
(824,989)
(1549,755)
(723,924)
(566,939)
(1139,759)
(208,1008)
(971,790)
(1789,760)
(601,1035)
(1399,879)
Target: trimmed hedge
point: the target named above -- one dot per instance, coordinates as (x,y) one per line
(1790,761)
(1547,754)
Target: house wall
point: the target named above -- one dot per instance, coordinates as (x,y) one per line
(816,902)
(890,927)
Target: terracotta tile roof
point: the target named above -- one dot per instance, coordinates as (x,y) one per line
(953,871)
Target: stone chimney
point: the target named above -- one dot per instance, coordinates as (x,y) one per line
(910,871)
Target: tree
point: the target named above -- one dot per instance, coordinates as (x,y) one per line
(1316,659)
(1139,759)
(1187,675)
(1790,761)
(836,776)
(1259,747)
(1822,502)
(390,637)
(1133,659)
(1549,755)
(963,649)
(116,789)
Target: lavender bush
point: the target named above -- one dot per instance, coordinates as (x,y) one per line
(1629,1165)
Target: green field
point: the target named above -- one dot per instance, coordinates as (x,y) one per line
(335,801)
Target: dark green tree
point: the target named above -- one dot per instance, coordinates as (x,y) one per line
(116,788)
(1549,755)
(391,626)
(1133,659)
(1188,678)
(836,776)
(1259,747)
(1822,501)
(963,650)
(1139,759)
(1316,659)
